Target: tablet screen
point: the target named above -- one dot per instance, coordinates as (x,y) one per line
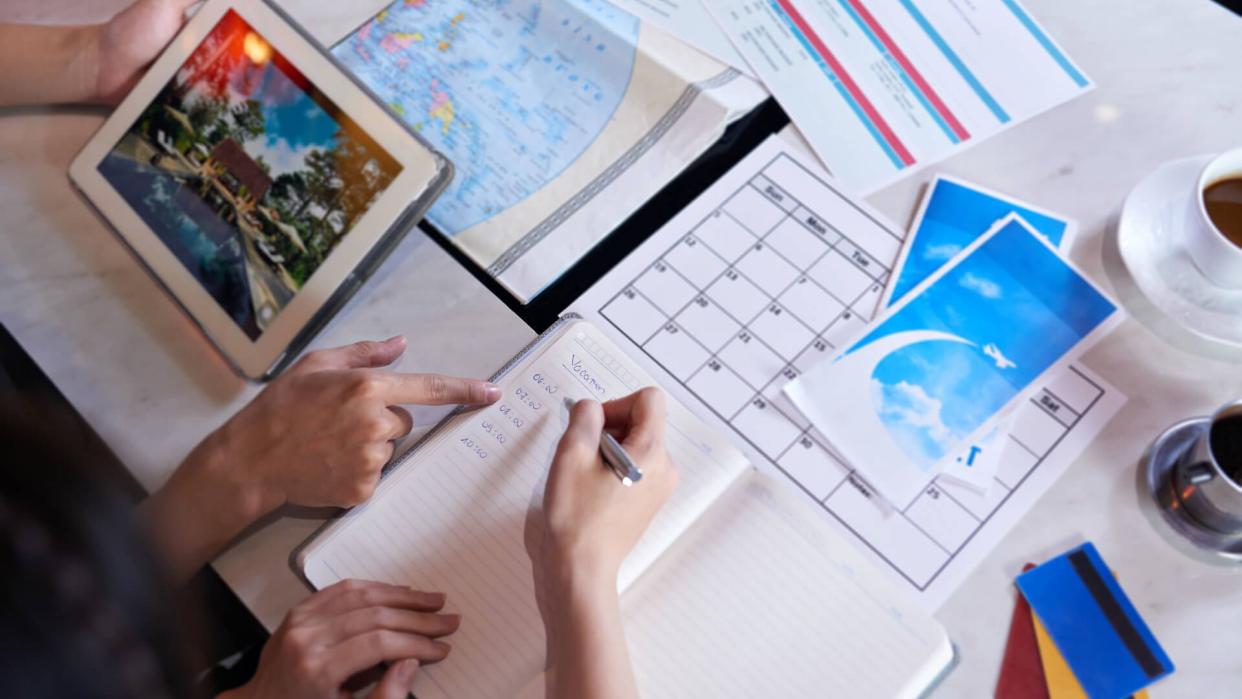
(247,172)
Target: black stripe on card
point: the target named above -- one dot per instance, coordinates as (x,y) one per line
(1115,615)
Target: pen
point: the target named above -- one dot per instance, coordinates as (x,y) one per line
(614,456)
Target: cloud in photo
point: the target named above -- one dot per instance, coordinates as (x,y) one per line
(942,252)
(279,154)
(983,286)
(914,418)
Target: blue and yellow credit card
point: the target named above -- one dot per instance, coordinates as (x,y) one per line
(1095,627)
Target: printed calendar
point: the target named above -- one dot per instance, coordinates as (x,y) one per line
(766,274)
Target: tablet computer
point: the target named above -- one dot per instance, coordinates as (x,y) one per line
(257,180)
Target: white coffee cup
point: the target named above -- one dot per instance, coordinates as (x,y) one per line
(1214,254)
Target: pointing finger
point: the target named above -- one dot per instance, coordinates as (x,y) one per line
(435,389)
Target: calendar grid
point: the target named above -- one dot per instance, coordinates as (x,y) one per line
(1099,395)
(758,291)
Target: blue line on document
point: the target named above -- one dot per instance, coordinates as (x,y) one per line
(1078,78)
(953,58)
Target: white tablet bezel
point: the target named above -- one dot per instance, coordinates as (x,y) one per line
(423,173)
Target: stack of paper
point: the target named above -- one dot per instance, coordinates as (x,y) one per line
(922,390)
(879,88)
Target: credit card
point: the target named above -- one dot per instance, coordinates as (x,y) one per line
(1095,627)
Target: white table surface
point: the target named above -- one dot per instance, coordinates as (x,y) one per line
(1170,85)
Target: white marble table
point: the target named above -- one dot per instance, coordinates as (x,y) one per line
(1169,86)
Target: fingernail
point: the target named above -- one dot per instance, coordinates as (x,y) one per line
(395,339)
(491,392)
(436,597)
(443,647)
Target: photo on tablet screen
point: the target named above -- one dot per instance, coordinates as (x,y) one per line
(247,172)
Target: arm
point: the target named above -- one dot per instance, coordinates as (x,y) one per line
(93,63)
(47,65)
(318,436)
(592,524)
(591,658)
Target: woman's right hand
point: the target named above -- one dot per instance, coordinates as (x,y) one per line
(593,521)
(347,629)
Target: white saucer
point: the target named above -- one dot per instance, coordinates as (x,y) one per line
(1154,220)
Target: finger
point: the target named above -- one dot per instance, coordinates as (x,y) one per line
(403,422)
(367,354)
(641,417)
(361,652)
(435,389)
(340,628)
(580,443)
(349,595)
(398,681)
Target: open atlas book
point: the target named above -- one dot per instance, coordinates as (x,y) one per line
(739,588)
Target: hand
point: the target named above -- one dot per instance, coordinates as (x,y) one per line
(126,45)
(344,630)
(318,435)
(593,521)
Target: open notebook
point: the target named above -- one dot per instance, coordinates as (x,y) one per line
(736,589)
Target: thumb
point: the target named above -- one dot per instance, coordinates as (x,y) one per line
(580,443)
(367,354)
(397,681)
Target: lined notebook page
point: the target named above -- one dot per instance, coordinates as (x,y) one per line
(457,517)
(761,598)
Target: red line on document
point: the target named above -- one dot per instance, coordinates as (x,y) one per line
(850,86)
(907,66)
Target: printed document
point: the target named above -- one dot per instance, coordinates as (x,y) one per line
(689,21)
(879,88)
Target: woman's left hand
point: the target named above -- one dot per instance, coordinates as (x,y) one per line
(130,41)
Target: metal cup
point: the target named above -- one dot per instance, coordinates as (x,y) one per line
(1202,483)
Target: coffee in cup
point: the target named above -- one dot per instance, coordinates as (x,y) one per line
(1208,479)
(1222,200)
(1214,229)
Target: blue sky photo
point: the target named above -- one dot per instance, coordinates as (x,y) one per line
(1018,307)
(956,216)
(294,122)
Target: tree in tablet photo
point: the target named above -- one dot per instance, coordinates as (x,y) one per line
(247,172)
